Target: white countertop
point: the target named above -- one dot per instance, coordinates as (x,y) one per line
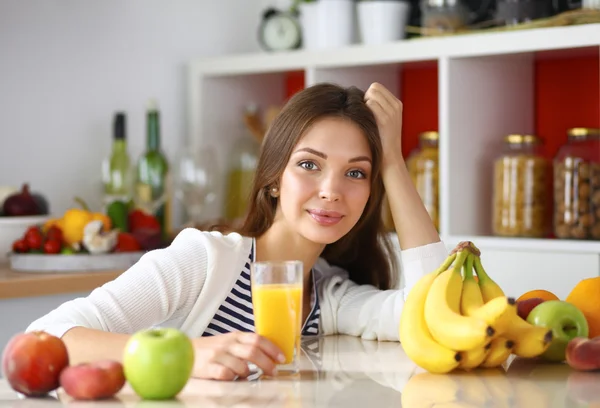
(343,371)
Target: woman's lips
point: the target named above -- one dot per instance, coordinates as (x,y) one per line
(325,217)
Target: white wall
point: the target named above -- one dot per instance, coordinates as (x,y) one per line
(67,65)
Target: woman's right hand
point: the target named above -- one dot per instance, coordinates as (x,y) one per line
(226,356)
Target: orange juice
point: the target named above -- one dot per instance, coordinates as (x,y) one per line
(278,315)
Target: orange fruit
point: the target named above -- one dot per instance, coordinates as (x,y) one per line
(538,293)
(585,297)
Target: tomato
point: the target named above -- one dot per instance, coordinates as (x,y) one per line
(34,238)
(54,233)
(20,246)
(52,246)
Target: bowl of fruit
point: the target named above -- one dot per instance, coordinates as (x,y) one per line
(19,210)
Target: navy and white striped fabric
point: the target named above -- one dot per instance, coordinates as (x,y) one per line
(235,313)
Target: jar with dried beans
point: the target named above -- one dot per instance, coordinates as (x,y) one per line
(577,186)
(521,189)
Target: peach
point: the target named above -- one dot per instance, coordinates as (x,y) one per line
(93,381)
(584,354)
(32,362)
(525,306)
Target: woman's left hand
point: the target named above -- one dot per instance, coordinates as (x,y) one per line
(388,114)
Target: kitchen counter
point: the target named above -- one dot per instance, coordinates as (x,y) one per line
(342,371)
(28,284)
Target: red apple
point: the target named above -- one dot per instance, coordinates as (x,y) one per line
(93,381)
(32,362)
(584,354)
(525,306)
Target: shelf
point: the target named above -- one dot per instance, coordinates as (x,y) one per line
(473,88)
(420,49)
(527,244)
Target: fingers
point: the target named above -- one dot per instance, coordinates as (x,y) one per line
(386,99)
(232,365)
(377,109)
(263,344)
(215,371)
(253,355)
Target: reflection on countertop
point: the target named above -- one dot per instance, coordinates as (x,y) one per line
(343,371)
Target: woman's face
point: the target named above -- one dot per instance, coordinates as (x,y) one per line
(326,183)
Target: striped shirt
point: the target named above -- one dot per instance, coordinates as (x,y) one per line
(236,312)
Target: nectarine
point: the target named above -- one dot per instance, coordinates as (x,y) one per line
(32,362)
(93,381)
(583,354)
(525,306)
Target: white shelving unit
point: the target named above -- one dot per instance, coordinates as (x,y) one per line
(486,90)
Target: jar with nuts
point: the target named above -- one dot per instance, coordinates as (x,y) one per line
(577,186)
(521,189)
(423,166)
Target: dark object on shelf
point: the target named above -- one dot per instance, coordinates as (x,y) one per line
(509,12)
(483,13)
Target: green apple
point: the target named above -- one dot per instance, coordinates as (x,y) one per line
(158,362)
(566,322)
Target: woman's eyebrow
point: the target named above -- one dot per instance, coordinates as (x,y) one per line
(324,156)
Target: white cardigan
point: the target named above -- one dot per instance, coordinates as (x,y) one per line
(183,285)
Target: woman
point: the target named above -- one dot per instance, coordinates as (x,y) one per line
(317,197)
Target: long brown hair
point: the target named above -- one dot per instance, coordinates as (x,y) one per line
(365,252)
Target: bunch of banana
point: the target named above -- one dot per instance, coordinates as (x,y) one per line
(452,321)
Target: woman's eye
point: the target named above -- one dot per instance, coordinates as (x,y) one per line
(357,174)
(308,165)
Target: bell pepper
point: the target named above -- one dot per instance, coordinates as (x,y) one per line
(72,224)
(74,221)
(139,219)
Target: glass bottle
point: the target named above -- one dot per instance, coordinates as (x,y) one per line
(423,166)
(521,188)
(241,168)
(152,193)
(577,186)
(116,168)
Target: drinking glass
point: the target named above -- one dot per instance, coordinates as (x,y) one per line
(195,180)
(277,305)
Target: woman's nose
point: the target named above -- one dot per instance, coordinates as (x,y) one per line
(329,190)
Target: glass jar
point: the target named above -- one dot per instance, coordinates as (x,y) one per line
(521,189)
(423,166)
(243,160)
(443,16)
(577,186)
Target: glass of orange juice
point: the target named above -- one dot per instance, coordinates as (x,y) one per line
(277,305)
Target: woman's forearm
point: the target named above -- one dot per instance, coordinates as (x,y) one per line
(412,221)
(86,345)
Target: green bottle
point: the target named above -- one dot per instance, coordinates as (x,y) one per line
(152,193)
(116,168)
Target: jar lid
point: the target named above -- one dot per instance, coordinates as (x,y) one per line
(519,139)
(581,131)
(429,135)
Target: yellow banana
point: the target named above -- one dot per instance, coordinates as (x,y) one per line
(499,352)
(496,312)
(442,312)
(489,289)
(473,358)
(415,337)
(530,341)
